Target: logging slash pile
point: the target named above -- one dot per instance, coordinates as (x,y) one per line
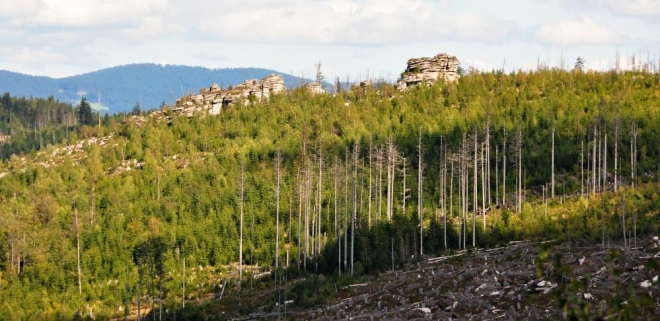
(521,281)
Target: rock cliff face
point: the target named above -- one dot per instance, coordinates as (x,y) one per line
(212,99)
(429,70)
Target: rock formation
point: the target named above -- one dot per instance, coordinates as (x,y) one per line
(212,99)
(362,84)
(429,70)
(315,88)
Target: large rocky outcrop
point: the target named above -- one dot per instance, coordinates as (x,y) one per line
(429,70)
(212,99)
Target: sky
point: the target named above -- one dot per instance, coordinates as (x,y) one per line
(355,39)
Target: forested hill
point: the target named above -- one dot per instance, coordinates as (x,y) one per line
(122,87)
(131,213)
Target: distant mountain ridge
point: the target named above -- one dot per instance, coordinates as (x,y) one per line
(120,88)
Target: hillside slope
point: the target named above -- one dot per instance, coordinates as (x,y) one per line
(329,185)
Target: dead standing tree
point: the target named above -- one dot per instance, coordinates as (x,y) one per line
(518,150)
(336,202)
(475,206)
(462,159)
(420,192)
(240,244)
(393,160)
(356,152)
(405,190)
(504,166)
(278,162)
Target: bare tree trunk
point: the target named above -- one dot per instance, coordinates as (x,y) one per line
(600,163)
(356,151)
(633,155)
(370,179)
(420,191)
(545,214)
(487,161)
(310,212)
(240,244)
(404,192)
(337,233)
(504,170)
(475,207)
(602,220)
(306,199)
(75,213)
(441,189)
(588,185)
(319,200)
(593,164)
(623,221)
(451,199)
(605,160)
(346,210)
(278,160)
(616,151)
(582,168)
(519,148)
(483,186)
(379,182)
(553,164)
(464,171)
(443,181)
(391,163)
(634,225)
(313,222)
(301,188)
(497,177)
(459,200)
(461,234)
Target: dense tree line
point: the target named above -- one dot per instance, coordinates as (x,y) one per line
(28,124)
(31,124)
(329,184)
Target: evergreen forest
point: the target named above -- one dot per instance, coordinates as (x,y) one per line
(97,219)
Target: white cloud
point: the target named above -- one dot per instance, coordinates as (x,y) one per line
(368,22)
(572,32)
(471,26)
(632,8)
(82,13)
(27,55)
(635,7)
(16,9)
(344,22)
(150,27)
